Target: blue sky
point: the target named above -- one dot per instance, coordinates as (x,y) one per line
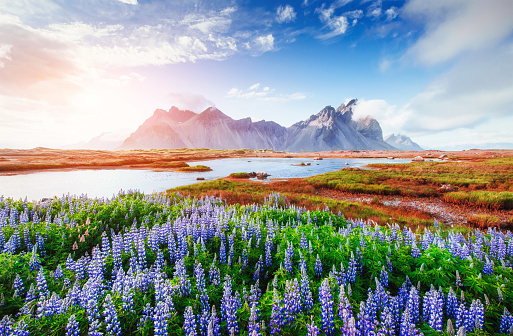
(440,71)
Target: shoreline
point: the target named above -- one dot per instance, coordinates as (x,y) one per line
(28,161)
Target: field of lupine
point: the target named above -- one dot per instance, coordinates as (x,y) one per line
(170,265)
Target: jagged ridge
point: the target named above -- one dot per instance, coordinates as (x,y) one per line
(330,129)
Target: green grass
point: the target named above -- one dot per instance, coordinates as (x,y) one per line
(240,175)
(489,199)
(197,168)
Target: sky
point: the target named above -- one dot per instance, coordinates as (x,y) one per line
(439,71)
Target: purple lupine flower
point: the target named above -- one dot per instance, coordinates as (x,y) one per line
(42,287)
(461,316)
(383,277)
(326,299)
(20,329)
(287,262)
(303,243)
(277,317)
(415,252)
(413,305)
(72,328)
(258,269)
(475,315)
(159,318)
(306,294)
(312,329)
(458,279)
(451,304)
(214,275)
(351,269)
(318,266)
(487,267)
(113,326)
(244,259)
(291,300)
(18,284)
(506,322)
(254,326)
(203,320)
(407,327)
(214,328)
(268,253)
(34,261)
(189,324)
(222,253)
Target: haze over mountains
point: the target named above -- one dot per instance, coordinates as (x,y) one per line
(330,129)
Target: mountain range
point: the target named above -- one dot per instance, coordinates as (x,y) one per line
(330,129)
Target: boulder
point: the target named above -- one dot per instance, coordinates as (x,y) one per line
(418,159)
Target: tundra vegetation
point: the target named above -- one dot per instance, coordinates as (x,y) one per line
(168,264)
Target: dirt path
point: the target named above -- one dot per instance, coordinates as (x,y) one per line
(444,212)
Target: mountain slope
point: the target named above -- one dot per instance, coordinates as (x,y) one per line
(402,142)
(330,129)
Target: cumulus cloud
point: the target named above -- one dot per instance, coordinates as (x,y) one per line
(264,43)
(458,26)
(189,101)
(285,14)
(256,91)
(336,24)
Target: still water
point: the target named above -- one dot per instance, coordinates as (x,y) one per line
(105,182)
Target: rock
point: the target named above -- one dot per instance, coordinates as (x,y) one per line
(318,158)
(200,179)
(443,156)
(418,159)
(262,175)
(446,188)
(390,158)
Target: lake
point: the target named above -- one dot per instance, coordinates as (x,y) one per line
(106,182)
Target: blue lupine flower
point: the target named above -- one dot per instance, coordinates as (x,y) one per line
(254,326)
(487,267)
(312,329)
(18,284)
(214,328)
(20,329)
(318,266)
(72,328)
(277,317)
(287,262)
(476,316)
(458,279)
(159,318)
(42,287)
(326,299)
(189,324)
(506,322)
(111,317)
(291,300)
(383,277)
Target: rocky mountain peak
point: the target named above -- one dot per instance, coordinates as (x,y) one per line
(369,128)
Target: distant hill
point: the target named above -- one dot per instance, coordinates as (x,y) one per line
(402,142)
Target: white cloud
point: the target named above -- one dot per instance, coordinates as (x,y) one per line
(285,14)
(391,13)
(265,94)
(264,43)
(458,26)
(336,24)
(129,2)
(189,101)
(374,11)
